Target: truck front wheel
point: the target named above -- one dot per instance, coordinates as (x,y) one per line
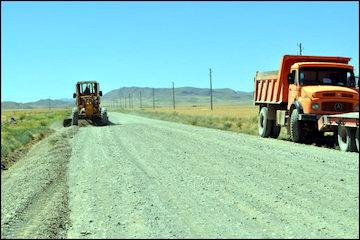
(264,124)
(296,131)
(346,139)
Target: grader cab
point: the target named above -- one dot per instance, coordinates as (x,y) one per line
(87,101)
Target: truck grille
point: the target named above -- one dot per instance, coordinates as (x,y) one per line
(329,94)
(347,95)
(332,94)
(336,107)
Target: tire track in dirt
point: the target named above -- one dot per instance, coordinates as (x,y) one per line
(161,179)
(290,196)
(34,192)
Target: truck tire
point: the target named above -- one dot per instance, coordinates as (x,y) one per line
(346,139)
(104,117)
(357,139)
(275,130)
(264,124)
(296,131)
(75,117)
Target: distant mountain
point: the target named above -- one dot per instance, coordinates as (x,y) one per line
(163,97)
(43,103)
(14,105)
(67,100)
(189,95)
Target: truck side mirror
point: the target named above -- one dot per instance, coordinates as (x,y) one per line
(74,95)
(290,78)
(100,93)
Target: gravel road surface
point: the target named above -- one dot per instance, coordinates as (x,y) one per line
(146,178)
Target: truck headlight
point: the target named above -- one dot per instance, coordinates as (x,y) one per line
(315,106)
(356,107)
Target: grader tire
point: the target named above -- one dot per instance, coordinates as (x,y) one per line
(104,117)
(346,139)
(75,117)
(264,124)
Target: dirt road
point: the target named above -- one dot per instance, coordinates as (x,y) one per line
(145,178)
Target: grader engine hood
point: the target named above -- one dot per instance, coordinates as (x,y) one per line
(89,106)
(325,92)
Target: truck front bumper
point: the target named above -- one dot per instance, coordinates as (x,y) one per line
(309,117)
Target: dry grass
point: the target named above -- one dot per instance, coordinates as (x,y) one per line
(233,111)
(29,126)
(237,118)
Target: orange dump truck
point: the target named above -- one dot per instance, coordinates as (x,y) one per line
(303,90)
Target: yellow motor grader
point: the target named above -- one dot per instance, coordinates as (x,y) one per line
(87,101)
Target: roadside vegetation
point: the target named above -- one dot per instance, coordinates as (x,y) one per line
(21,128)
(236,118)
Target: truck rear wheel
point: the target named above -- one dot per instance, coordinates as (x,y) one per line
(264,124)
(357,139)
(346,139)
(275,130)
(296,131)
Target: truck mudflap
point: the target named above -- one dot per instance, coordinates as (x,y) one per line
(308,117)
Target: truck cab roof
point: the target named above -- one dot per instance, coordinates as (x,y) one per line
(321,64)
(81,82)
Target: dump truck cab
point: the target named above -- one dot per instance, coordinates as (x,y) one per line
(322,88)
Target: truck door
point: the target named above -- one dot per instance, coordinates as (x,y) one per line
(293,89)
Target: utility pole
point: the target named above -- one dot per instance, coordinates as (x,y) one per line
(49,104)
(301,48)
(125,101)
(132,100)
(129,101)
(140,99)
(173,93)
(211,96)
(153,98)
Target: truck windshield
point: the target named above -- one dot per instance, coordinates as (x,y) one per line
(87,88)
(327,76)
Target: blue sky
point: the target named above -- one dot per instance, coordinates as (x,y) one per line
(46,47)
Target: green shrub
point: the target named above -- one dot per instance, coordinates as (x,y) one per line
(227,125)
(238,123)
